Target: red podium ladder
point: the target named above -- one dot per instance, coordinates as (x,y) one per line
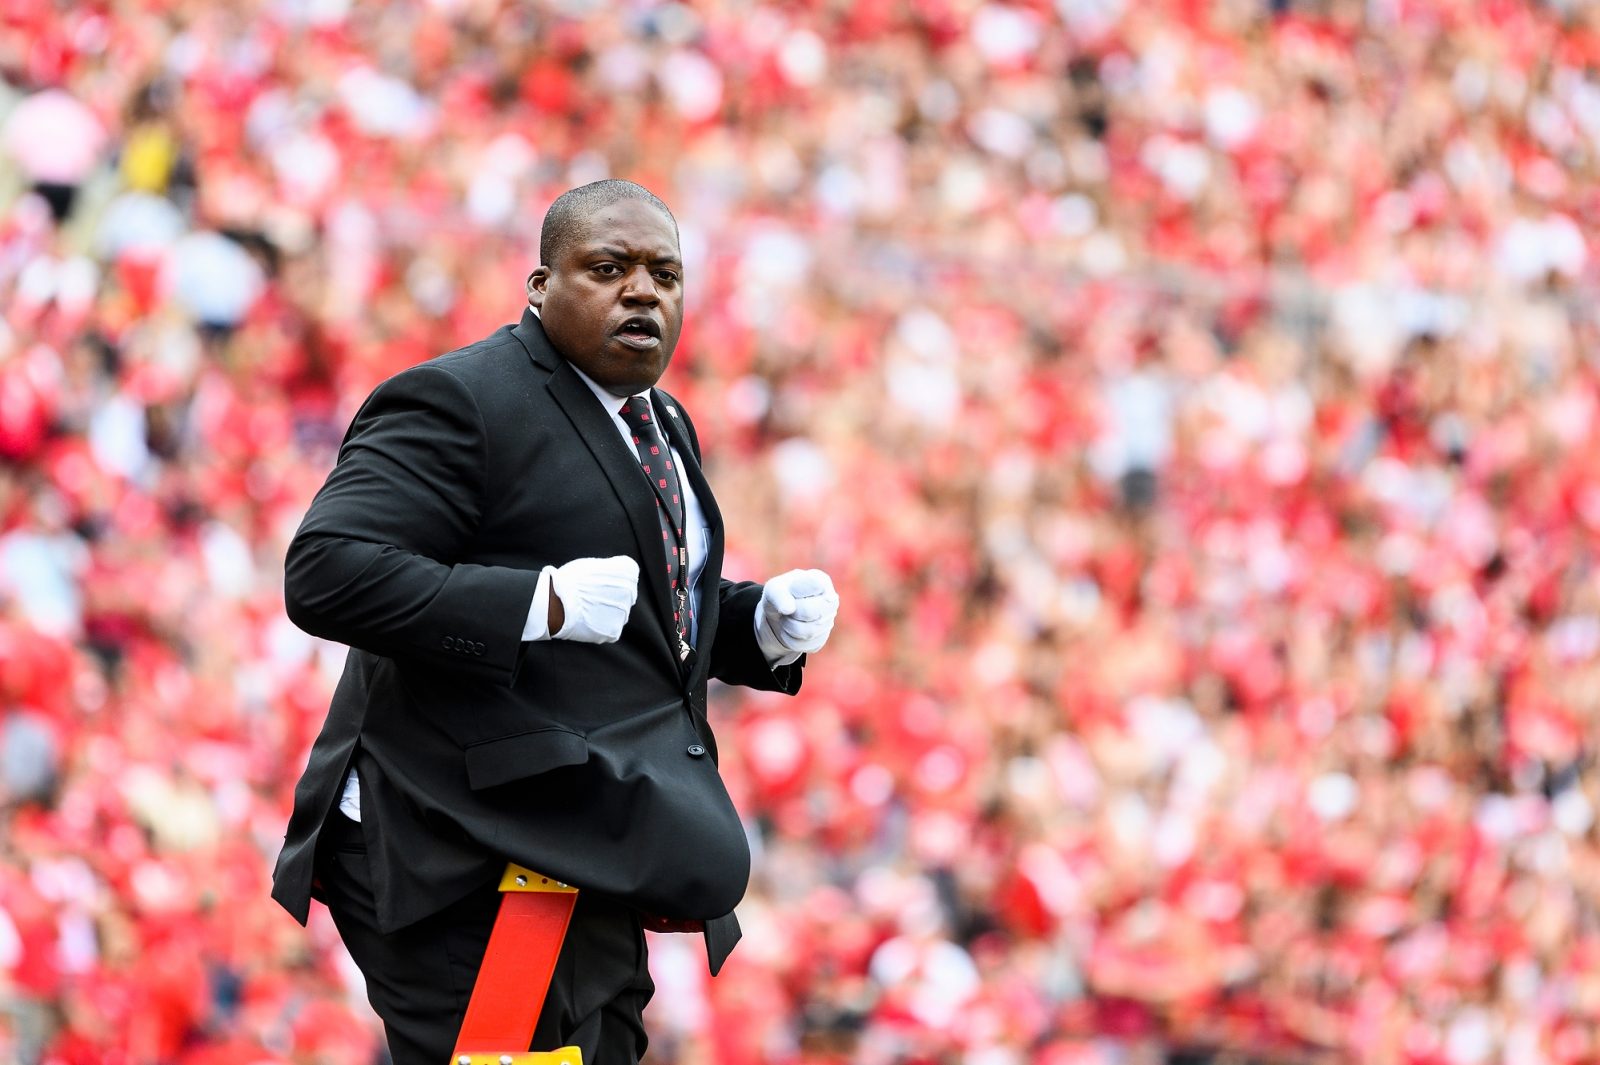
(515,976)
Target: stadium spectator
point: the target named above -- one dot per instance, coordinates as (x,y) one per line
(1194,403)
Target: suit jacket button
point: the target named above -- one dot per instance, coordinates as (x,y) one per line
(477,648)
(695,750)
(446,643)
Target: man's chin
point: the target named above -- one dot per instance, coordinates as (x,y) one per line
(628,386)
(630,379)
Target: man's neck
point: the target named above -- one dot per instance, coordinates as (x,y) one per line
(611,402)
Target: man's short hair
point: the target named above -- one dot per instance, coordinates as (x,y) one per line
(567,216)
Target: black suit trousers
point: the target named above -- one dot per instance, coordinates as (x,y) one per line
(420,977)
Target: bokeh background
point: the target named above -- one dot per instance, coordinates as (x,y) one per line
(1195,404)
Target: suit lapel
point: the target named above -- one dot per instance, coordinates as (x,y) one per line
(711,576)
(620,466)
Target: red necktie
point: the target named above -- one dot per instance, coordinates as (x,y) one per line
(656,459)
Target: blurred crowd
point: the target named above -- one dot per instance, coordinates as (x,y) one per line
(1194,402)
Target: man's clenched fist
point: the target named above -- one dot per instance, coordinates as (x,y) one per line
(590,598)
(795,615)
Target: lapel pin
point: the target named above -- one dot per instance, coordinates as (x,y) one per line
(672,410)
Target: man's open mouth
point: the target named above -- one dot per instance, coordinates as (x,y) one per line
(639,332)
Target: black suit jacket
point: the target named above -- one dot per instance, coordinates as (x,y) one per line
(458,480)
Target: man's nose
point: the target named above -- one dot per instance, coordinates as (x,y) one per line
(640,287)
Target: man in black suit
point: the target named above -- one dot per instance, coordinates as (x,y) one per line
(512,693)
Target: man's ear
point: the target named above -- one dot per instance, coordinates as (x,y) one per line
(536,283)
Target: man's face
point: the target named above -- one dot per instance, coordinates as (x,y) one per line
(612,302)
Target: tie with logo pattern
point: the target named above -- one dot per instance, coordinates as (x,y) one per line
(656,458)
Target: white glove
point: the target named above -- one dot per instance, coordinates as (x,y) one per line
(596,595)
(795,615)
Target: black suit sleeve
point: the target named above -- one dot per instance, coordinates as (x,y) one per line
(372,563)
(736,658)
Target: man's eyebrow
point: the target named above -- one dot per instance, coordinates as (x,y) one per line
(606,251)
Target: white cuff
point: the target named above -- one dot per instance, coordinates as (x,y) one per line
(537,627)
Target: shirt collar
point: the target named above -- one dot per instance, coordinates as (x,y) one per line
(612,404)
